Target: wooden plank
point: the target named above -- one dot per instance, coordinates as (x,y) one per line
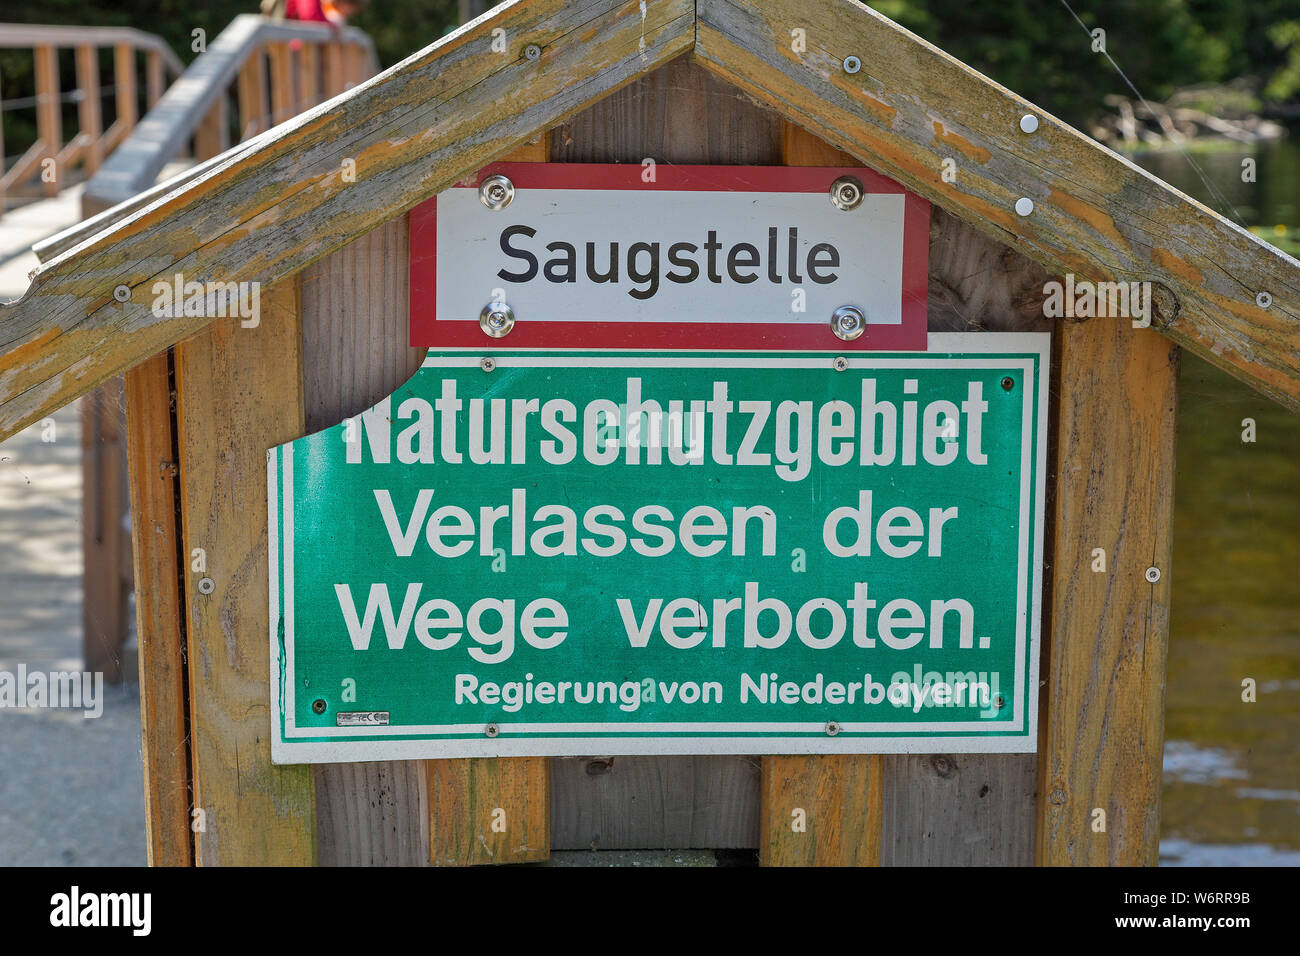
(821,811)
(104,597)
(128,108)
(239,392)
(677,114)
(335,71)
(441,115)
(282,99)
(491,810)
(88,107)
(213,137)
(49,119)
(254,113)
(154,81)
(1095,214)
(354,335)
(483,810)
(309,76)
(27,35)
(1102,730)
(632,803)
(838,828)
(159,612)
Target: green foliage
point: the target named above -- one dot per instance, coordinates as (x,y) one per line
(1286,81)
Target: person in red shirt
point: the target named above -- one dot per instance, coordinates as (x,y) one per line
(334,13)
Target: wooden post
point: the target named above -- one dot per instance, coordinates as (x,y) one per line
(128,109)
(819,810)
(238,393)
(213,137)
(88,109)
(282,99)
(159,610)
(155,82)
(104,609)
(466,796)
(251,88)
(335,71)
(1102,732)
(309,76)
(49,116)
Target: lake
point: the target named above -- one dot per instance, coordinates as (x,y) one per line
(1231,777)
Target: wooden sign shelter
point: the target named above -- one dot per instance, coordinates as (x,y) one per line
(315,211)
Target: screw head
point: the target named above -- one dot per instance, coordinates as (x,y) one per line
(1008,383)
(999,702)
(1029,123)
(122,293)
(847,193)
(832,728)
(1024,206)
(496,191)
(487,363)
(848,322)
(533,52)
(1153,574)
(497,319)
(840,363)
(1263,300)
(318,706)
(491,730)
(207,585)
(852,64)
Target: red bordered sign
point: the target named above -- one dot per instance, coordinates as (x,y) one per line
(668,257)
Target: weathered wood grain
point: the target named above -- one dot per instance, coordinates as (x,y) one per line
(1095,214)
(104,542)
(372,814)
(632,803)
(159,613)
(238,393)
(821,811)
(466,794)
(959,809)
(424,125)
(484,810)
(1102,729)
(677,114)
(354,334)
(847,828)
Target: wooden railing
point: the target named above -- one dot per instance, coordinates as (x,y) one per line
(272,69)
(92,142)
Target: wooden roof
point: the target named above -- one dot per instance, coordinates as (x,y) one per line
(278,203)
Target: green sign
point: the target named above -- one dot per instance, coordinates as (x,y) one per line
(624,552)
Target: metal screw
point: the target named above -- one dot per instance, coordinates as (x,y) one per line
(492,730)
(1263,300)
(496,319)
(1153,574)
(122,293)
(318,706)
(1008,383)
(832,728)
(848,322)
(847,193)
(487,363)
(1024,206)
(852,64)
(840,363)
(207,585)
(1029,123)
(532,52)
(496,191)
(999,702)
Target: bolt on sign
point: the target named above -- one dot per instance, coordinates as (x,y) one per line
(564,536)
